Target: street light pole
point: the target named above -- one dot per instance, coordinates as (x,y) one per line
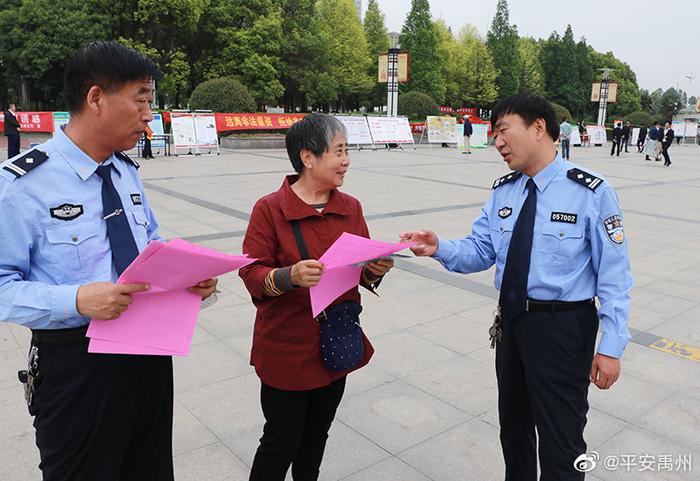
(392,88)
(604,91)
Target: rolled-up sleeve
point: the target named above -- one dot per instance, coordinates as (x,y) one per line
(261,242)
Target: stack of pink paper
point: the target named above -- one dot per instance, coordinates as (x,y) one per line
(340,273)
(161,320)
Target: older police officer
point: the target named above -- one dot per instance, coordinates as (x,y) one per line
(73,215)
(555,233)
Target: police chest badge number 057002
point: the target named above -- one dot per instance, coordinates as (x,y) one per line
(613,227)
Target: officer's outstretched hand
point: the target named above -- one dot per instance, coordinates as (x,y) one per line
(104,300)
(205,288)
(425,242)
(605,371)
(306,273)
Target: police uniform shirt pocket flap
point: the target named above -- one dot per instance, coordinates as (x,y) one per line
(562,230)
(140,218)
(505,225)
(73,234)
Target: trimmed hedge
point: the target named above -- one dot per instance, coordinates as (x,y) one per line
(639,118)
(224,94)
(417,105)
(562,113)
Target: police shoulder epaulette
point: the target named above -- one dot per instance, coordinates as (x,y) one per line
(584,178)
(25,163)
(127,159)
(505,179)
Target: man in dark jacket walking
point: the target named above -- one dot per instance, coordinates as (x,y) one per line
(642,137)
(626,136)
(617,139)
(468,131)
(12,129)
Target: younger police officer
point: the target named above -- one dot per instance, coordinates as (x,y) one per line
(73,215)
(555,234)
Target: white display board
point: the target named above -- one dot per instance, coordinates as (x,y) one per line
(691,128)
(596,134)
(205,131)
(390,130)
(156,126)
(182,125)
(635,136)
(678,127)
(652,148)
(575,136)
(480,135)
(358,129)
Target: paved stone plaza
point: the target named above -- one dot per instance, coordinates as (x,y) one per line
(425,407)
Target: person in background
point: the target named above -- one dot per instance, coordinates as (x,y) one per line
(616,139)
(147,136)
(626,135)
(666,141)
(468,131)
(565,136)
(653,135)
(642,137)
(12,129)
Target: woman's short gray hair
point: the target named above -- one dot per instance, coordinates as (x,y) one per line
(315,132)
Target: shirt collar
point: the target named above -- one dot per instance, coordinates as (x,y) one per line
(82,163)
(294,208)
(545,176)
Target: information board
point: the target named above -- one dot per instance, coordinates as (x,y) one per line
(205,131)
(442,130)
(390,130)
(182,125)
(156,126)
(597,134)
(480,135)
(358,129)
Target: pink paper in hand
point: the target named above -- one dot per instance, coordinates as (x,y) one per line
(340,275)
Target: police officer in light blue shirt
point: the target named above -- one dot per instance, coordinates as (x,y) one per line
(73,215)
(555,233)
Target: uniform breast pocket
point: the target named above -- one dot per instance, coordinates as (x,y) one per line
(79,251)
(562,241)
(139,227)
(501,235)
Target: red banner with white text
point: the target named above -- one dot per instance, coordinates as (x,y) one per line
(32,121)
(226,122)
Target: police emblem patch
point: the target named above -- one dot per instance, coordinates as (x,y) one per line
(613,227)
(136,199)
(66,211)
(505,212)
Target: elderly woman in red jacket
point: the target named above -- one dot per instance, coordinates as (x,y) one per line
(299,394)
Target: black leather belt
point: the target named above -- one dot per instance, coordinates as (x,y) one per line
(557,306)
(59,336)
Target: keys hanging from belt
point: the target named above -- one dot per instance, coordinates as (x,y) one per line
(496,329)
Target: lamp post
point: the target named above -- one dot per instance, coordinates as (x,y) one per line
(604,91)
(392,88)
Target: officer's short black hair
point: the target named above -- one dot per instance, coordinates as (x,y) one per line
(107,64)
(530,108)
(315,133)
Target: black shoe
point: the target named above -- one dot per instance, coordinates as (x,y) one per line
(647,158)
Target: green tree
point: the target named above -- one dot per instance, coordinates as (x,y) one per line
(692,101)
(628,96)
(418,36)
(530,73)
(38,38)
(417,106)
(175,85)
(242,38)
(568,71)
(502,41)
(645,100)
(345,54)
(377,43)
(640,118)
(478,87)
(670,104)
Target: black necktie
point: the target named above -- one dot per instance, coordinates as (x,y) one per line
(121,239)
(513,296)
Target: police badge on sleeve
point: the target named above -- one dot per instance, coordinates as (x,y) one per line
(613,227)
